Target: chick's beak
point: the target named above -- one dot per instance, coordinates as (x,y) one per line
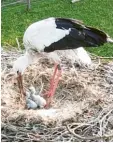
(20,83)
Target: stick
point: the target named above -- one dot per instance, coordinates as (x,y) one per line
(18,44)
(42,86)
(88,137)
(103,58)
(99,56)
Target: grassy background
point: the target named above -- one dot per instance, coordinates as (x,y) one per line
(97,13)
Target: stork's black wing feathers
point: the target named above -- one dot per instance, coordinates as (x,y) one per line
(79,36)
(69,23)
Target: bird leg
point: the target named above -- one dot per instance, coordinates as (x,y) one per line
(51,81)
(53,84)
(20,84)
(53,78)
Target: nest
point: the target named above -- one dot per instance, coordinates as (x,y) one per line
(82,109)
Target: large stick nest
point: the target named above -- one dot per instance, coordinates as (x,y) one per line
(83,108)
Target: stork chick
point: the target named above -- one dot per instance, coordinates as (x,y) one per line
(29,102)
(32,90)
(40,101)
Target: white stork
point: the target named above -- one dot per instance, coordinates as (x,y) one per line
(57,34)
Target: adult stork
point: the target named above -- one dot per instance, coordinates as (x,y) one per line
(56,34)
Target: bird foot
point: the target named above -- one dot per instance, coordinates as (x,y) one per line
(49,104)
(49,99)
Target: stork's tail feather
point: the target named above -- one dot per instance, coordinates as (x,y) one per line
(96,37)
(109,40)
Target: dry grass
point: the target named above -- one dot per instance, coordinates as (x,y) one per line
(83,108)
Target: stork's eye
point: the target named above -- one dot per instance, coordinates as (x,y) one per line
(17,71)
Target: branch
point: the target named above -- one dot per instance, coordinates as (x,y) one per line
(88,137)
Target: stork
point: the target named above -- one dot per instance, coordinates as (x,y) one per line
(54,35)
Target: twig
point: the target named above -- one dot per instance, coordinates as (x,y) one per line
(106,115)
(98,64)
(96,56)
(3,135)
(18,44)
(103,58)
(2,72)
(88,137)
(42,86)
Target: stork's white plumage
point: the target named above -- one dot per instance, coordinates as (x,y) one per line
(56,37)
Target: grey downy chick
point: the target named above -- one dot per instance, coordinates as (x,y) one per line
(40,101)
(30,104)
(32,90)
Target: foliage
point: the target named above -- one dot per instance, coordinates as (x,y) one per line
(97,13)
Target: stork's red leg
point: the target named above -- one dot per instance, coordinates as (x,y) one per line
(20,83)
(56,81)
(53,78)
(53,83)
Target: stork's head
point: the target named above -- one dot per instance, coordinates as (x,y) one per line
(19,67)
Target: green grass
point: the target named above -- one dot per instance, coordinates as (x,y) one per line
(97,13)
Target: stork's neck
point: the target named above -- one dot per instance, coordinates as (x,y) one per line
(23,62)
(27,60)
(29,57)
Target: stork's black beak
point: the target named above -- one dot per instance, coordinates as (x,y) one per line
(20,83)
